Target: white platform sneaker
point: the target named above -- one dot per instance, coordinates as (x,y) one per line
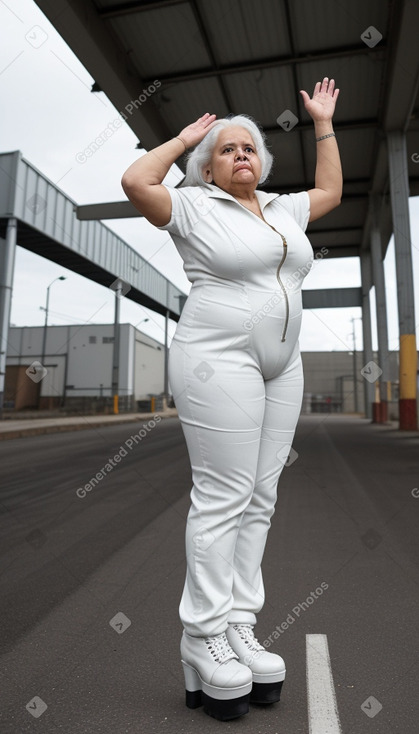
(268,669)
(214,678)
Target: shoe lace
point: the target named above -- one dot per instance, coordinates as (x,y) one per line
(220,648)
(246,633)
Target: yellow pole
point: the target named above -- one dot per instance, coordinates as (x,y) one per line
(115,404)
(408,377)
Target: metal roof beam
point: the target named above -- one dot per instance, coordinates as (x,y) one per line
(124,209)
(82,27)
(115,11)
(210,51)
(109,210)
(401,89)
(360,124)
(339,251)
(401,84)
(300,186)
(336,229)
(300,129)
(403,69)
(276,61)
(332,298)
(346,182)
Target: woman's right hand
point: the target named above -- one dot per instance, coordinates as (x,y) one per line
(142,182)
(196,131)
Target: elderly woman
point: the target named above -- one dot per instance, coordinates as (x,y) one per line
(236,375)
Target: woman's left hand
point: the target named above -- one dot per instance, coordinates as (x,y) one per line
(322,105)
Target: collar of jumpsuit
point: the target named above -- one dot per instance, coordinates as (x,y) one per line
(217,193)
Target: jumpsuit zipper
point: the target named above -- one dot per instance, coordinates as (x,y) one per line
(287,307)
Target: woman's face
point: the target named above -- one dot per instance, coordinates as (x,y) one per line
(235,165)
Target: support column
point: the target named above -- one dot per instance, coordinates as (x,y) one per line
(381,407)
(399,190)
(116,343)
(369,390)
(7,262)
(166,351)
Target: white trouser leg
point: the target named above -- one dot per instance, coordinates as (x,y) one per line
(283,405)
(221,419)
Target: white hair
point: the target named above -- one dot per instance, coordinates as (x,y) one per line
(200,156)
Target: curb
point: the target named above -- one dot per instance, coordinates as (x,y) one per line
(86,423)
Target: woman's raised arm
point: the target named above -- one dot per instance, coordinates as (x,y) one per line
(142,181)
(328,177)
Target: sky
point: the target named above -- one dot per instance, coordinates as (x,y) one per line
(50,114)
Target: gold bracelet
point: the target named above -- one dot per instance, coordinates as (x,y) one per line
(329,135)
(181,139)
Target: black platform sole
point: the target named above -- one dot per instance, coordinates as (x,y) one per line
(219,709)
(266,692)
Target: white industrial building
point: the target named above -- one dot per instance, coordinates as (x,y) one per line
(78,360)
(79,365)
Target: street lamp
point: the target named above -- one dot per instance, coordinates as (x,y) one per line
(44,339)
(141,322)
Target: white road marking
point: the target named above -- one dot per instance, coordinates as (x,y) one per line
(323,716)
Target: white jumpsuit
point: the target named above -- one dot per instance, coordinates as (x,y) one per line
(236,377)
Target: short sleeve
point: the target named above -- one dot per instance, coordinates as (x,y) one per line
(298,205)
(186,206)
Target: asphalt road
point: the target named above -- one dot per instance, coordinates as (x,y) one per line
(91,580)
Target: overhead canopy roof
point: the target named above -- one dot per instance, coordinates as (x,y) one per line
(235,56)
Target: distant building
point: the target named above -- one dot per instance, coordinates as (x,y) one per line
(79,360)
(329,385)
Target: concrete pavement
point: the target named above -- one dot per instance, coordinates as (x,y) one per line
(91,585)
